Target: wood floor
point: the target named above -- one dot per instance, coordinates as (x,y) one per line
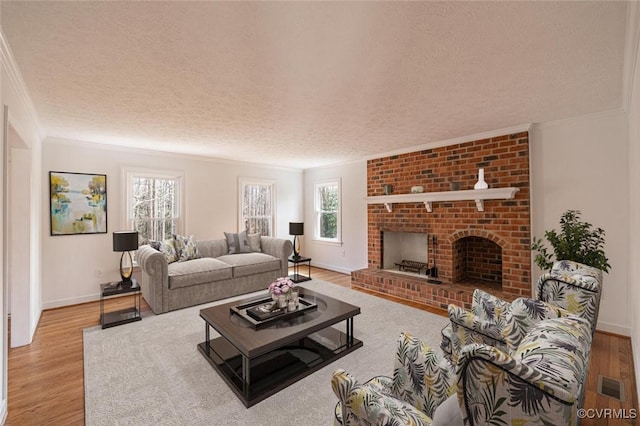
(46,384)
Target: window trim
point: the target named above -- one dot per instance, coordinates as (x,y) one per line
(316,212)
(129,173)
(242,181)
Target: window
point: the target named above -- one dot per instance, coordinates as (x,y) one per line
(327,210)
(154,203)
(257,204)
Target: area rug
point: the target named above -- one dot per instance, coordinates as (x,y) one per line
(150,372)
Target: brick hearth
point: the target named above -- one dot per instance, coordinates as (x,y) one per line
(496,241)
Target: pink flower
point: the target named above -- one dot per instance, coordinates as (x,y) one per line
(281,285)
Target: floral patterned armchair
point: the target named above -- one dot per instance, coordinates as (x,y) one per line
(422,380)
(499,323)
(572,286)
(540,382)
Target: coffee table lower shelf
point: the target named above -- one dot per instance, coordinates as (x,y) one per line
(274,371)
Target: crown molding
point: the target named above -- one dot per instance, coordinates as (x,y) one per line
(578,118)
(338,164)
(631,46)
(17,82)
(454,141)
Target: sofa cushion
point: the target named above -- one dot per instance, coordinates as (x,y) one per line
(238,243)
(197,271)
(251,263)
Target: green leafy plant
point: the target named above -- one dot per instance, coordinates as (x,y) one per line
(577,241)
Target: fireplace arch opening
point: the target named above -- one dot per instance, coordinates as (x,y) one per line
(477,259)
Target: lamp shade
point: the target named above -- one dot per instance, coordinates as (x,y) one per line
(296,228)
(125,240)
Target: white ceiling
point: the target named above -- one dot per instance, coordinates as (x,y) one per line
(304,84)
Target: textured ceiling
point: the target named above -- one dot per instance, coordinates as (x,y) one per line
(303,84)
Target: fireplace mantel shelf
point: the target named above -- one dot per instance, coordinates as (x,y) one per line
(477,195)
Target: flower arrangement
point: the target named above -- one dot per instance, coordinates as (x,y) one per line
(280,286)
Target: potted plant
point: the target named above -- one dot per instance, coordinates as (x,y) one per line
(576,241)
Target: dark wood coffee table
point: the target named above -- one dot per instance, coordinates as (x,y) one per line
(256,363)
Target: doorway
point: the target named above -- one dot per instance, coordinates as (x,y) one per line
(18,256)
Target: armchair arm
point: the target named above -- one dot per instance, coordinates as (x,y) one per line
(154,282)
(541,383)
(371,403)
(494,388)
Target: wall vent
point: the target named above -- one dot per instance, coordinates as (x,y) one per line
(612,388)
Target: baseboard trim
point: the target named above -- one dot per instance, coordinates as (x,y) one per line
(71,301)
(613,329)
(332,268)
(76,301)
(3,412)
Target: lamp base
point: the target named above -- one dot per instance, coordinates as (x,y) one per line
(127,284)
(296,247)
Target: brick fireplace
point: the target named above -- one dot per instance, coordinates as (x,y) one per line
(487,249)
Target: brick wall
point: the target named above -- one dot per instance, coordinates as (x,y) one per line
(478,259)
(506,223)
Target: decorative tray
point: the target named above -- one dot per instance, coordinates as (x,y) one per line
(259,312)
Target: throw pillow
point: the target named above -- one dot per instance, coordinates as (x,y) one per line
(238,243)
(168,247)
(155,244)
(254,242)
(186,248)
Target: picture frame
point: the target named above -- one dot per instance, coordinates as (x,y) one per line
(77,203)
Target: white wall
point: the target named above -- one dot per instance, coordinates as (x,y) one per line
(211,187)
(4,330)
(352,253)
(634,228)
(582,164)
(575,164)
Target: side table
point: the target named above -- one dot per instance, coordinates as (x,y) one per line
(122,316)
(297,277)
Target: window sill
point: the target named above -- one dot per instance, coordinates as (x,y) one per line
(328,243)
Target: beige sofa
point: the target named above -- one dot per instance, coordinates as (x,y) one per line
(215,275)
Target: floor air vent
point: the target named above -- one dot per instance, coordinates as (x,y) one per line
(611,387)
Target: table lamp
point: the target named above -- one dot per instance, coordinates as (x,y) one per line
(125,241)
(296,229)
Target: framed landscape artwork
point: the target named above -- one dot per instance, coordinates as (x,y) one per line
(78,203)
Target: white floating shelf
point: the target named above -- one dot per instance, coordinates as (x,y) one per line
(477,195)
